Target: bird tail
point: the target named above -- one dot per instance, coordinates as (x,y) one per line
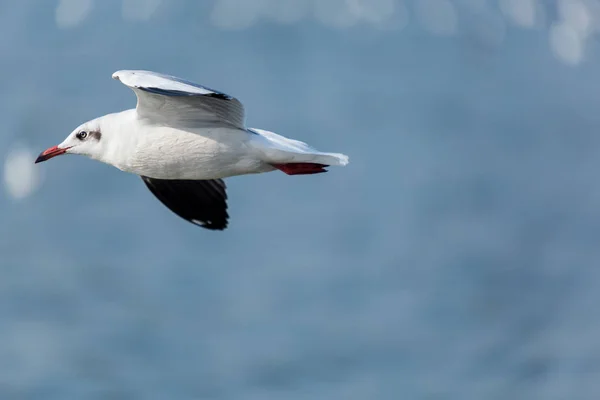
(293,156)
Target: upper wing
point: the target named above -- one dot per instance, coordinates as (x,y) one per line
(203,203)
(173,101)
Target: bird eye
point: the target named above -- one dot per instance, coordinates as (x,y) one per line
(81,135)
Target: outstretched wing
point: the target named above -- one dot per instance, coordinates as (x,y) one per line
(203,203)
(173,101)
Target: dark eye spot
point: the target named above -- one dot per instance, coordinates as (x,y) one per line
(96,135)
(81,135)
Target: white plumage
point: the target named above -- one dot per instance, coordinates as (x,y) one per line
(183,138)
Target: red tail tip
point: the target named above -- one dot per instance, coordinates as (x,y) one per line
(301,168)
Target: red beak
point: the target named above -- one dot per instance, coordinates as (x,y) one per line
(51,152)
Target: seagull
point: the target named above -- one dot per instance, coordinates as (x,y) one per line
(182,139)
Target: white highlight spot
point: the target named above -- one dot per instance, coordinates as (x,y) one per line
(520,12)
(236,14)
(566,43)
(374,11)
(70,13)
(474,5)
(437,16)
(139,10)
(287,11)
(335,13)
(21,177)
(593,9)
(576,15)
(242,14)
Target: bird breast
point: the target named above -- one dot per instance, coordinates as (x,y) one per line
(168,153)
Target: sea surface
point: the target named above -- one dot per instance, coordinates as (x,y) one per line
(457,256)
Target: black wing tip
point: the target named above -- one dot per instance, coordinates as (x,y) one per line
(220,96)
(200,202)
(180,93)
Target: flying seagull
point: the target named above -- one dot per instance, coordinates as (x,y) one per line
(182,139)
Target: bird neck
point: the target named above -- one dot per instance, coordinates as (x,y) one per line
(120,136)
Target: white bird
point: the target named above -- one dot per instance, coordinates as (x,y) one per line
(183,139)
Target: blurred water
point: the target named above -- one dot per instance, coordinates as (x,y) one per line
(454,258)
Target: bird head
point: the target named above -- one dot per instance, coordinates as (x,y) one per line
(85,140)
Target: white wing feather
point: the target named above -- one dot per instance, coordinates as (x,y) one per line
(173,101)
(279,149)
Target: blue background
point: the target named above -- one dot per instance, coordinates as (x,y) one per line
(455,257)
